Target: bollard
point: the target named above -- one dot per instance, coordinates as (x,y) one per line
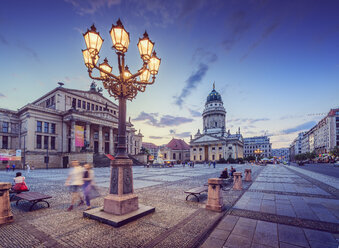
(214,200)
(248,175)
(5,206)
(237,181)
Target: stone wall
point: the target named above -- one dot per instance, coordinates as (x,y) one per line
(83,157)
(38,161)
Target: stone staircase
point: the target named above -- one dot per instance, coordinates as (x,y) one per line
(100,160)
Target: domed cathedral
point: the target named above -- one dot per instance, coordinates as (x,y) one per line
(214,143)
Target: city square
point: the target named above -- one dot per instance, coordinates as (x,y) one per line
(152,123)
(285,206)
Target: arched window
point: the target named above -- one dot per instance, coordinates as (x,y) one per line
(173,155)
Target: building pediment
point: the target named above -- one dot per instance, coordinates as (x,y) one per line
(205,138)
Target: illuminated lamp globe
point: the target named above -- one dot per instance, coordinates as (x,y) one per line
(127,73)
(88,58)
(154,64)
(105,67)
(120,37)
(93,40)
(145,76)
(145,46)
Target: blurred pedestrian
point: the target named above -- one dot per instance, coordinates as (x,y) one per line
(75,181)
(214,164)
(28,168)
(88,187)
(8,167)
(13,167)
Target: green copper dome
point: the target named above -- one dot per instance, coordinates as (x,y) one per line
(213,96)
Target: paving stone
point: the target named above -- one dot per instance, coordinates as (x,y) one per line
(319,236)
(220,234)
(292,235)
(212,242)
(236,241)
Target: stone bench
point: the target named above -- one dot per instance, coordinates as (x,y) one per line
(196,192)
(32,197)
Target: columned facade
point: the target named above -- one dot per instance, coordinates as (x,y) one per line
(47,127)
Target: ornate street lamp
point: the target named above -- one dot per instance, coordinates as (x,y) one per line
(125,86)
(257,153)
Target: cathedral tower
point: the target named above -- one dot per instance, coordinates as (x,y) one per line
(214,115)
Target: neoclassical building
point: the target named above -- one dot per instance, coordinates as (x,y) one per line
(65,124)
(214,142)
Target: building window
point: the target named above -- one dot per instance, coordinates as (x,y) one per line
(79,103)
(39,126)
(92,106)
(5,142)
(115,112)
(46,127)
(200,149)
(173,155)
(45,142)
(53,128)
(213,148)
(100,108)
(53,143)
(220,147)
(165,155)
(96,107)
(5,127)
(219,156)
(88,106)
(213,157)
(96,135)
(38,141)
(74,103)
(194,149)
(106,136)
(193,157)
(200,157)
(83,104)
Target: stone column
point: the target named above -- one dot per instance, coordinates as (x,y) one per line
(64,137)
(73,136)
(9,142)
(88,133)
(111,142)
(1,141)
(6,215)
(214,201)
(237,179)
(100,140)
(248,175)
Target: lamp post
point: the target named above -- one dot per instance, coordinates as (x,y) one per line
(257,153)
(125,86)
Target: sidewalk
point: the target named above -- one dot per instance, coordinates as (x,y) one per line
(282,208)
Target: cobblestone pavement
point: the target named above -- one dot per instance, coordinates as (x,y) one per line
(284,207)
(175,222)
(322,168)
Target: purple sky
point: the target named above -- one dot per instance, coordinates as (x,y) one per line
(275,63)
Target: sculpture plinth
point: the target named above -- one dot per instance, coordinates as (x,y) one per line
(121,206)
(214,200)
(6,215)
(121,199)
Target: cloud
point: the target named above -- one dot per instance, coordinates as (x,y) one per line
(3,40)
(31,52)
(301,127)
(148,117)
(155,137)
(2,95)
(85,7)
(164,121)
(194,113)
(239,24)
(202,58)
(169,120)
(183,135)
(248,120)
(270,29)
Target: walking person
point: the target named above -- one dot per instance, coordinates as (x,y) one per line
(28,168)
(88,185)
(13,167)
(75,181)
(8,168)
(214,164)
